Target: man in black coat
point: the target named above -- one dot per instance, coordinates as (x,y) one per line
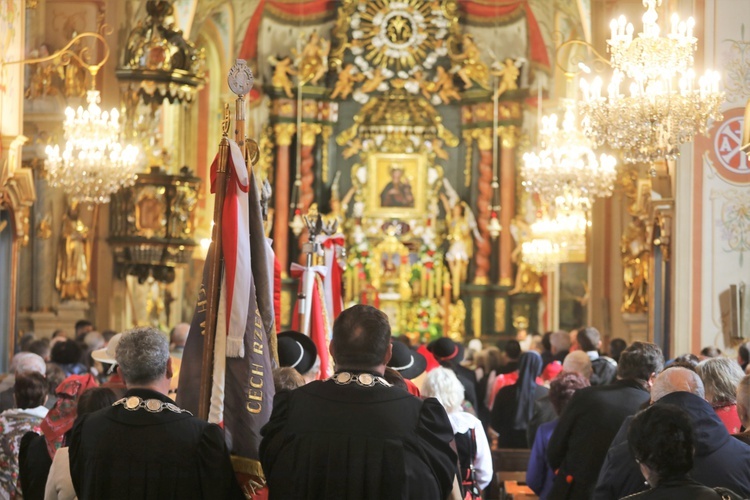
(720,459)
(593,417)
(605,368)
(144,446)
(354,436)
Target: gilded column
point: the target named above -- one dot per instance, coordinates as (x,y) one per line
(509,138)
(284,133)
(483,138)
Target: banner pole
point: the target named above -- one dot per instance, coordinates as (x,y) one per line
(213,287)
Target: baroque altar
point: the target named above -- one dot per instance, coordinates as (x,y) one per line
(396,123)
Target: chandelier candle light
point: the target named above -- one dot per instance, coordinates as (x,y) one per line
(666,106)
(566,172)
(93,163)
(541,254)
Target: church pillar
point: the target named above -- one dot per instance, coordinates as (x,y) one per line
(509,138)
(483,138)
(283,133)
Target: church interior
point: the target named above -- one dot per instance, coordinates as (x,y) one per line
(461,156)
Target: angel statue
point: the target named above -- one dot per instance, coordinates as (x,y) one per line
(72,276)
(508,74)
(346,80)
(527,279)
(313,60)
(282,70)
(472,68)
(462,228)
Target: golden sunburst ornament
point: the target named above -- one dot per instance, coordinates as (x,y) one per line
(399,36)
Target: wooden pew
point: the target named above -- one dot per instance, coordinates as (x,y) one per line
(510,474)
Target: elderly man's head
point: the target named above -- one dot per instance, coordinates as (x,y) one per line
(559,341)
(143,358)
(677,379)
(578,362)
(361,339)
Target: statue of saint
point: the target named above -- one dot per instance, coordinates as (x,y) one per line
(72,277)
(462,229)
(635,256)
(397,193)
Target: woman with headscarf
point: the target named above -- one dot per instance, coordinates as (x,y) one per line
(37,451)
(514,404)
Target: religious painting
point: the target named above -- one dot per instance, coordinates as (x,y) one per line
(396,185)
(573,294)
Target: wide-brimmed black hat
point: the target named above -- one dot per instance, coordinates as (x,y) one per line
(444,349)
(410,364)
(297,351)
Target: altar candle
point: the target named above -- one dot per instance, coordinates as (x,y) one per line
(439,276)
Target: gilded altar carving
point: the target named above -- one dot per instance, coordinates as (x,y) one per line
(508,74)
(73,272)
(634,244)
(473,69)
(312,61)
(282,71)
(283,133)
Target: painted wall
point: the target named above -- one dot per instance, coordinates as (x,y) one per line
(721,180)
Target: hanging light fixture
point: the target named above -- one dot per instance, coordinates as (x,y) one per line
(566,172)
(666,106)
(93,163)
(567,229)
(541,254)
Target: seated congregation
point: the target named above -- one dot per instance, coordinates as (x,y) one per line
(395,420)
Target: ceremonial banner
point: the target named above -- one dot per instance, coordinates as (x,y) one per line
(311,283)
(242,391)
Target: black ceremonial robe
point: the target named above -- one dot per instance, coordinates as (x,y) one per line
(329,441)
(117,453)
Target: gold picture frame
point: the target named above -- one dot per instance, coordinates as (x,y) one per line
(396,185)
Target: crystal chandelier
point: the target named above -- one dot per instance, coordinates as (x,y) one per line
(565,228)
(93,163)
(566,172)
(542,255)
(666,106)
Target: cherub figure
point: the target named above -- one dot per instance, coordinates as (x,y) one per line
(372,84)
(313,60)
(282,70)
(472,69)
(345,83)
(508,77)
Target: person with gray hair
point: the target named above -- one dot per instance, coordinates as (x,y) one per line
(559,344)
(22,363)
(144,442)
(743,408)
(719,460)
(442,384)
(721,376)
